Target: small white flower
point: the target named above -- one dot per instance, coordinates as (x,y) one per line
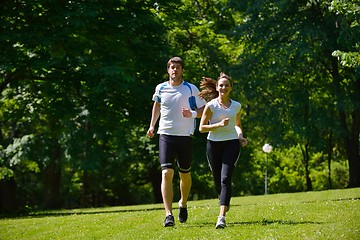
(267,148)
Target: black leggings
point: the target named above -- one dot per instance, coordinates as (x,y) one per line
(222,157)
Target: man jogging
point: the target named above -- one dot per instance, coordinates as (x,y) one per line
(177,104)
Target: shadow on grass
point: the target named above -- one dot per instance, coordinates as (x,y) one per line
(270,222)
(60,213)
(263,222)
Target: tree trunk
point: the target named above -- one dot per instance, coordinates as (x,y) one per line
(52,180)
(354,145)
(155,178)
(8,189)
(352,131)
(352,151)
(306,159)
(330,153)
(85,202)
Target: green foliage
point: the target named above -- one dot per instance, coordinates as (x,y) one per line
(348,59)
(73,75)
(296,90)
(320,172)
(197,32)
(286,172)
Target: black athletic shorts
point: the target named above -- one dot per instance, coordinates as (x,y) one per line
(175,147)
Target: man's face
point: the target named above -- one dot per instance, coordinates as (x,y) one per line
(175,71)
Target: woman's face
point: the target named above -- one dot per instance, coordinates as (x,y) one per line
(223,86)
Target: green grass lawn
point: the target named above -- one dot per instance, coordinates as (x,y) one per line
(332,214)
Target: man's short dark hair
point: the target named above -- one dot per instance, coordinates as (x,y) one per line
(176,60)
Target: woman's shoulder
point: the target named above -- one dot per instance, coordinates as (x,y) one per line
(236,103)
(212,102)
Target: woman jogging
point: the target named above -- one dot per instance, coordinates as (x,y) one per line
(221,119)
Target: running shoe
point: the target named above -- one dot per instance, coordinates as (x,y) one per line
(221,223)
(183,214)
(169,221)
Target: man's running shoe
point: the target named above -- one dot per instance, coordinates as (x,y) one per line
(183,214)
(169,221)
(221,223)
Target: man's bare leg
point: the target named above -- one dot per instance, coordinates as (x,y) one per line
(167,189)
(185,186)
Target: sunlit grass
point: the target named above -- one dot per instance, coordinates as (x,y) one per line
(333,214)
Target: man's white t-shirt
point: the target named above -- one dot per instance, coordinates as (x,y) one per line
(227,132)
(172,99)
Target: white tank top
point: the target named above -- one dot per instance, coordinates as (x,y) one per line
(219,113)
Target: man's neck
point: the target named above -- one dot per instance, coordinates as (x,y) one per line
(175,82)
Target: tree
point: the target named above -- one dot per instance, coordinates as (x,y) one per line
(348,55)
(75,68)
(292,69)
